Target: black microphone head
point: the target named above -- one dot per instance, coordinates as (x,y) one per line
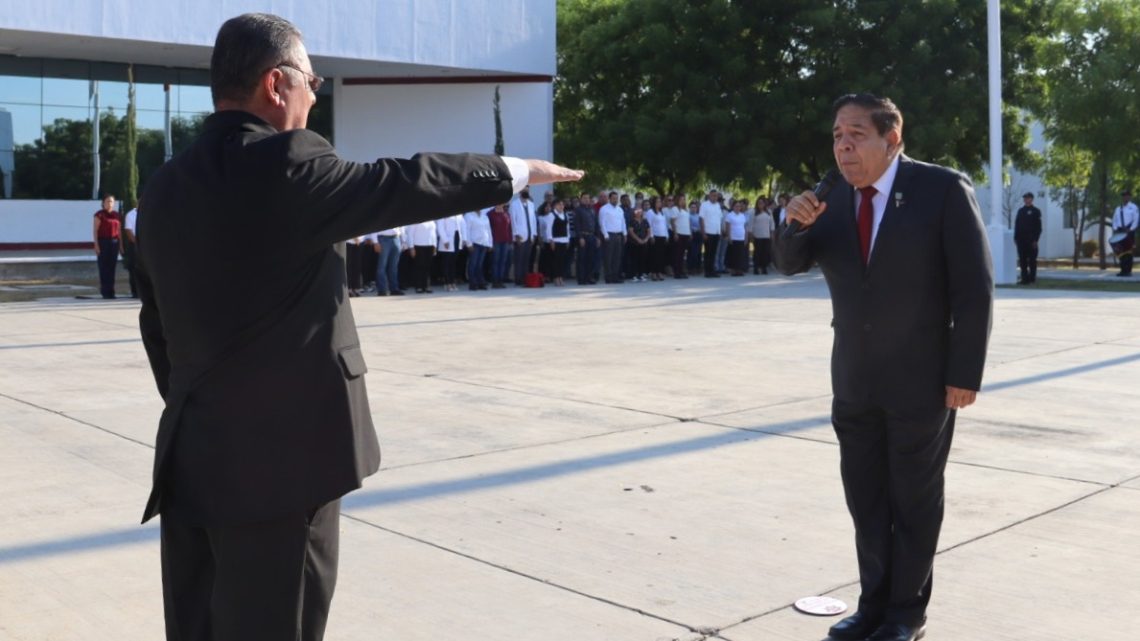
(825,186)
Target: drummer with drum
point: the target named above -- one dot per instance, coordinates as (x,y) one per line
(1125,221)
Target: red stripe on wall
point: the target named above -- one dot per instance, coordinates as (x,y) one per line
(446,80)
(34,246)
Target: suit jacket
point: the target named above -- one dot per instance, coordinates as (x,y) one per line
(245,314)
(918,316)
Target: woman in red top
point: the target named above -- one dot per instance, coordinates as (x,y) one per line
(106,232)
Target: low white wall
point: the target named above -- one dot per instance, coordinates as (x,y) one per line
(374,121)
(46,221)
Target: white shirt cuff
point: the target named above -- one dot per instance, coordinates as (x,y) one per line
(520,172)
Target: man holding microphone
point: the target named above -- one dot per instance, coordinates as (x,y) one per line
(902,247)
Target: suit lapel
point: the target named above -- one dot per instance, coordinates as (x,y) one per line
(895,200)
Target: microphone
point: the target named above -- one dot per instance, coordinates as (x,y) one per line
(821,191)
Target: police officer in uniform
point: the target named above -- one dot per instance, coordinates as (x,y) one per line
(1026,233)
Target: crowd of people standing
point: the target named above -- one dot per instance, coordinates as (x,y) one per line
(611,238)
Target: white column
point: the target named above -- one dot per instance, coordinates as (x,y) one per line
(1001,239)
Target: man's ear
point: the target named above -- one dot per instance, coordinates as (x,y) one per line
(894,138)
(268,85)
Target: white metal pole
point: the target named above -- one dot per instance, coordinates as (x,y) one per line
(1003,271)
(994,46)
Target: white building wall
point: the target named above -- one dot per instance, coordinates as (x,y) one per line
(512,36)
(373,121)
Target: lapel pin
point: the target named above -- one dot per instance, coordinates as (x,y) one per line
(898,199)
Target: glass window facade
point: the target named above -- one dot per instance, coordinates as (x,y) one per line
(48,109)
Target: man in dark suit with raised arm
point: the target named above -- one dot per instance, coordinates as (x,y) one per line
(267,422)
(902,247)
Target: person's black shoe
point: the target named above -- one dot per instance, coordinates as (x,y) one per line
(856,627)
(498,286)
(397,292)
(428,291)
(898,632)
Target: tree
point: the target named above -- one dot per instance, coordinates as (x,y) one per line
(1068,170)
(1093,91)
(500,149)
(676,92)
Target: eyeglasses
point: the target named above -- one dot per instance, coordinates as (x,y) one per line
(315,81)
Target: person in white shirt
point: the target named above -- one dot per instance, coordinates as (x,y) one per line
(449,231)
(524,226)
(387,245)
(678,217)
(477,239)
(611,221)
(545,251)
(734,227)
(659,228)
(421,242)
(1126,219)
(128,247)
(558,240)
(712,219)
(760,233)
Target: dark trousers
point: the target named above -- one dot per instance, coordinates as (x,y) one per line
(761,254)
(388,267)
(738,256)
(523,262)
(558,260)
(1027,261)
(475,256)
(585,266)
(614,243)
(694,252)
(266,581)
(107,259)
(637,259)
(711,243)
(892,464)
(657,260)
(448,260)
(130,258)
(501,259)
(1126,264)
(421,271)
(680,248)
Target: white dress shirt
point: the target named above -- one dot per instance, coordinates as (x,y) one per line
(679,220)
(131,221)
(879,200)
(658,223)
(445,228)
(478,228)
(712,216)
(421,234)
(545,223)
(522,219)
(1125,216)
(611,219)
(736,222)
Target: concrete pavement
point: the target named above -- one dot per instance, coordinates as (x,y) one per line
(640,462)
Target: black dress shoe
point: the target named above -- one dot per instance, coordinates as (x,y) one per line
(898,632)
(856,627)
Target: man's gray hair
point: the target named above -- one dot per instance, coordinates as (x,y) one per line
(246,47)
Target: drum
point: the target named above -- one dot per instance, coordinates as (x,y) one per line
(1122,242)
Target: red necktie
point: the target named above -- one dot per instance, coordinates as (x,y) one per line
(865,220)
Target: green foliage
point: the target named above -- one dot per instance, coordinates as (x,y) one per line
(676,93)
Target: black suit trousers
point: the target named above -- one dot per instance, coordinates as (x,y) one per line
(268,581)
(893,464)
(1027,261)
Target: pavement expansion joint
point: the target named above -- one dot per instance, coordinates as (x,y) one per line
(504,568)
